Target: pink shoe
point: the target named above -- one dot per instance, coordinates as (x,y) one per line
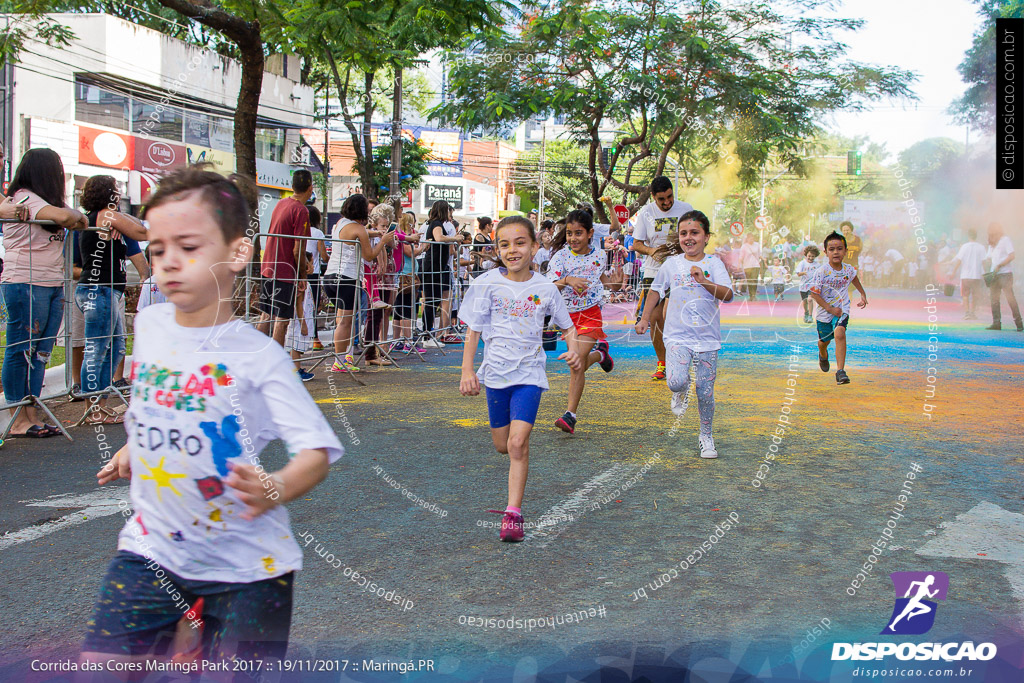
(511,526)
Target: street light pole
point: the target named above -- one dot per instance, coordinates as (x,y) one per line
(543,149)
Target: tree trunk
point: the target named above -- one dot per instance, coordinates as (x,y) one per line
(248,106)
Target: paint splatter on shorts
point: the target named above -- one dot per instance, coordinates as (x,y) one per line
(137,614)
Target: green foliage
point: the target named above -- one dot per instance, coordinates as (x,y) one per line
(927,156)
(414,165)
(676,77)
(29,24)
(565,176)
(976,107)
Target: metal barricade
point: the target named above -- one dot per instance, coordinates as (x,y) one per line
(28,312)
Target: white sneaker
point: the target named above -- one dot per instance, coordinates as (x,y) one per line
(430,343)
(679,402)
(707,446)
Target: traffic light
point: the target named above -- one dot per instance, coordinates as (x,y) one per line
(607,153)
(853,163)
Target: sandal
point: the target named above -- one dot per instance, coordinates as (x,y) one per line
(34,432)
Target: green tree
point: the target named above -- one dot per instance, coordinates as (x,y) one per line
(977,106)
(927,156)
(414,165)
(357,40)
(26,24)
(672,75)
(565,176)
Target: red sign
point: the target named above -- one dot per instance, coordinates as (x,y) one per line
(153,156)
(622,212)
(407,200)
(104,148)
(736,229)
(761,222)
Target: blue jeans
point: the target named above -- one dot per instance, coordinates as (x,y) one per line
(33,320)
(102,323)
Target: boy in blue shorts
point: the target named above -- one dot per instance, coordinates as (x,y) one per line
(829,286)
(209,392)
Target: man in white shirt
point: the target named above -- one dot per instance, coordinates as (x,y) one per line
(970,259)
(1000,254)
(653,223)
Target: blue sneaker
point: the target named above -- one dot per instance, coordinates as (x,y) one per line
(305,376)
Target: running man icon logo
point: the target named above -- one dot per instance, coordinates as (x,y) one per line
(914,611)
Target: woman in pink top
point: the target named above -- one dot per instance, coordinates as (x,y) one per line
(33,282)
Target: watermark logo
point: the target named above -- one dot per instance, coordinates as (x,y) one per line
(914,611)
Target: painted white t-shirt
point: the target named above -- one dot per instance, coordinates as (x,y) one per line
(543,254)
(590,267)
(831,285)
(201,398)
(803,269)
(149,294)
(998,253)
(971,255)
(653,226)
(691,316)
(601,230)
(510,318)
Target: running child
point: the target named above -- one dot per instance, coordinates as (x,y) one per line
(829,286)
(209,392)
(506,307)
(803,270)
(579,273)
(695,283)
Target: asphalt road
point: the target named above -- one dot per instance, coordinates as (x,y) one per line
(619,508)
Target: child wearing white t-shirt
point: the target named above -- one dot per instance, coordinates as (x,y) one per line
(803,271)
(829,286)
(695,283)
(209,392)
(506,308)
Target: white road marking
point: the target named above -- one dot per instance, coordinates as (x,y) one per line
(985,528)
(99,503)
(556,519)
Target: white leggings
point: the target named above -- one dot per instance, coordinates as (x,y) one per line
(677,367)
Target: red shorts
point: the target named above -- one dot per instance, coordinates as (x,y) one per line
(589,323)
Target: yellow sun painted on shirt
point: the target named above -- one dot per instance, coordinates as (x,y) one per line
(268,564)
(161,477)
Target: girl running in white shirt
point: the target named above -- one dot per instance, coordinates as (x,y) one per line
(694,282)
(506,307)
(579,272)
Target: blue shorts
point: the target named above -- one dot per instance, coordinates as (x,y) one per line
(826,331)
(517,402)
(136,615)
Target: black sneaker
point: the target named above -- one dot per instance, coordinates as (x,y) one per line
(606,362)
(841,377)
(122,384)
(823,363)
(567,423)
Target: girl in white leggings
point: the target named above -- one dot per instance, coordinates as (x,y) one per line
(694,283)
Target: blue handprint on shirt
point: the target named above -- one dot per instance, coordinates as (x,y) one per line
(224,442)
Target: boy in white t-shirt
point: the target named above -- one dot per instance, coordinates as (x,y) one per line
(695,283)
(209,392)
(829,286)
(803,270)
